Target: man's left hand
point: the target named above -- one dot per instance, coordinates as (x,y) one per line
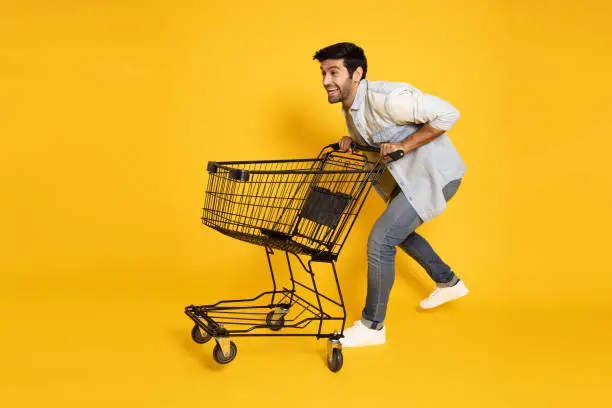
(386,148)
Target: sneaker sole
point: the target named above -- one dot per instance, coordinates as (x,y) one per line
(362,345)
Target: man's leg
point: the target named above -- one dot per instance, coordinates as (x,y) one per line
(397,221)
(449,286)
(421,251)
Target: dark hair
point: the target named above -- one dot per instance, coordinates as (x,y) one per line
(352,55)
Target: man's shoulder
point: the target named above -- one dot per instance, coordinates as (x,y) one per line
(387,87)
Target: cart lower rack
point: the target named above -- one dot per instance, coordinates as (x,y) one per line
(304,208)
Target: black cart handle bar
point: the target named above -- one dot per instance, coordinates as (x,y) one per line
(396,155)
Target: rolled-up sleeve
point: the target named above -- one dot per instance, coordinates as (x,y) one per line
(409,105)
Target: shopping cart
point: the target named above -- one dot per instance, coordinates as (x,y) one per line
(304,208)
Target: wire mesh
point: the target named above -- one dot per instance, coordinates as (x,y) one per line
(302,206)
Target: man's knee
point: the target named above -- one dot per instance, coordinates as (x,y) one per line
(411,239)
(377,243)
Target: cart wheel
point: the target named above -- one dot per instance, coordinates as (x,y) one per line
(198,336)
(275,324)
(220,357)
(335,361)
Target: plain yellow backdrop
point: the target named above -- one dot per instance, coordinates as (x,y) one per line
(110,110)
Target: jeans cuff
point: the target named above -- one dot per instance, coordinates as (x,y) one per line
(450,283)
(371,324)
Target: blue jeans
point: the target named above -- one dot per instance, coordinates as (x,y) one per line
(395,227)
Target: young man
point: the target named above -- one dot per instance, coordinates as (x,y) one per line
(394,116)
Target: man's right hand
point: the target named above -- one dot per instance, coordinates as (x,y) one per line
(345,144)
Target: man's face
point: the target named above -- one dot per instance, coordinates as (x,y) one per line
(336,80)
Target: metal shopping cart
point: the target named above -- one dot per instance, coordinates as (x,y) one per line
(304,208)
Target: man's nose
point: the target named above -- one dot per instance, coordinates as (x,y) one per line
(326,80)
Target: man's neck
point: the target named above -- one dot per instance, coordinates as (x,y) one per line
(348,102)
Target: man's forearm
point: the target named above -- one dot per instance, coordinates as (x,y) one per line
(424,135)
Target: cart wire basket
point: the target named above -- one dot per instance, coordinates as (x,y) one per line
(304,208)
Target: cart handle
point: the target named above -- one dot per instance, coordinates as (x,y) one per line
(393,156)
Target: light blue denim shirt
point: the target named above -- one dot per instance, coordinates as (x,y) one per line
(390,112)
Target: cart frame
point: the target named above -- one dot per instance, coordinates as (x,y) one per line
(309,227)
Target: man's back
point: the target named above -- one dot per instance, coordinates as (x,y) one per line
(385,111)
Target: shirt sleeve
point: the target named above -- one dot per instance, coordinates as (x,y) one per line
(409,105)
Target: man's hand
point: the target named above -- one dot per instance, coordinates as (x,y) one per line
(345,144)
(386,148)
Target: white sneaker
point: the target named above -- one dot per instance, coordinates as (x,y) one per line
(359,335)
(443,295)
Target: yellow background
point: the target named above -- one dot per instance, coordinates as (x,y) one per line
(110,110)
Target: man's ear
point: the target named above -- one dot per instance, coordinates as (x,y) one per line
(357,74)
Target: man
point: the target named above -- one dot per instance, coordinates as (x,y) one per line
(396,116)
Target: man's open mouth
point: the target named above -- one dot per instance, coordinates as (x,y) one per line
(332,92)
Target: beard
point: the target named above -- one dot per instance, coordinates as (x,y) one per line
(338,97)
(341,94)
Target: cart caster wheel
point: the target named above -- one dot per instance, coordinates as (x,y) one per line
(198,336)
(274,324)
(335,361)
(220,357)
